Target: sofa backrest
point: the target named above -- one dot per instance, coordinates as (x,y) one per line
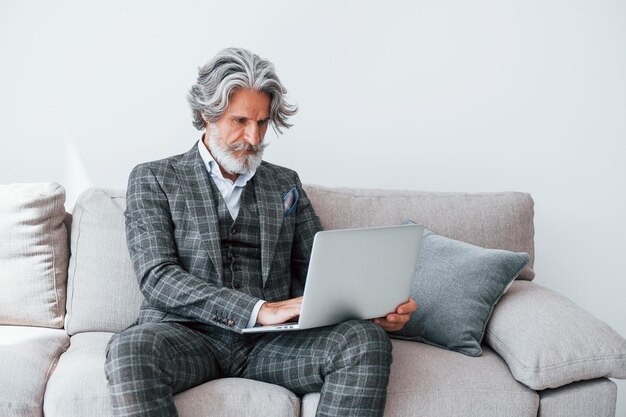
(490,220)
(103,294)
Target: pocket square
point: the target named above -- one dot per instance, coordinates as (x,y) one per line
(290,201)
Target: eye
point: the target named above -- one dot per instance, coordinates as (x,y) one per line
(240,120)
(263,122)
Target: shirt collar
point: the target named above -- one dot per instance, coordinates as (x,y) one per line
(214,169)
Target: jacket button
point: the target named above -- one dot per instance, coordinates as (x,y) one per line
(237,285)
(233,230)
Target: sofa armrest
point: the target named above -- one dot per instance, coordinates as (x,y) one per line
(548,341)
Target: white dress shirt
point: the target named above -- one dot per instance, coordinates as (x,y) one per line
(230,191)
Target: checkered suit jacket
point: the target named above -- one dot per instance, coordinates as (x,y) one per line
(173,238)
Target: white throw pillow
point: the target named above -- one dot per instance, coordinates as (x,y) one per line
(548,341)
(34,254)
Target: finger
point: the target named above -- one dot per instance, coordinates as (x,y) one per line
(398,318)
(392,328)
(381,322)
(387,326)
(408,307)
(392,317)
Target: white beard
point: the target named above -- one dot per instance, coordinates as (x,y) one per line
(225,155)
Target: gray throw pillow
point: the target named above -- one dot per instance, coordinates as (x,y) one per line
(456,286)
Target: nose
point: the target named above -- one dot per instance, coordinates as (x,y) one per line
(253,134)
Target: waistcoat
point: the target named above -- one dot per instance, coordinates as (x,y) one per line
(240,242)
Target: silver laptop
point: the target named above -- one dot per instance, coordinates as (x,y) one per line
(356,274)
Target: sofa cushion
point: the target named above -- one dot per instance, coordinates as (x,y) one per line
(78,385)
(428,381)
(456,286)
(78,388)
(27,357)
(490,220)
(34,254)
(103,294)
(595,398)
(548,341)
(236,397)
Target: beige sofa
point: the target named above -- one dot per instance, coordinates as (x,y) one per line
(542,355)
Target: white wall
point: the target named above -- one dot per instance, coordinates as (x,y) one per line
(444,95)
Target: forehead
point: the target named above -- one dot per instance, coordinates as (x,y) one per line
(251,103)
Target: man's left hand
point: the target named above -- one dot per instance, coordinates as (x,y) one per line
(393,322)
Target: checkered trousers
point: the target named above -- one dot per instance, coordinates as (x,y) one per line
(348,363)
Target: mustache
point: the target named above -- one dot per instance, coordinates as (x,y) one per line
(247,147)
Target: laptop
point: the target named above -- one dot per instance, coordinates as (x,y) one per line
(356,274)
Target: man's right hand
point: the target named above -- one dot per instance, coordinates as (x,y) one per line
(279,312)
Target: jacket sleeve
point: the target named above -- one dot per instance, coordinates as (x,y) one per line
(307,225)
(163,282)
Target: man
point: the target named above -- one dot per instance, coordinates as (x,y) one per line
(221,241)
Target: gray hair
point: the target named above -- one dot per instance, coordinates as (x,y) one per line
(232,69)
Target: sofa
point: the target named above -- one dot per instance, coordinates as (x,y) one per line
(67,284)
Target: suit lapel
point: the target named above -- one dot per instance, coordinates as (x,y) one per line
(194,179)
(269,203)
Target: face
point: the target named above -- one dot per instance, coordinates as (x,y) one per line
(236,138)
